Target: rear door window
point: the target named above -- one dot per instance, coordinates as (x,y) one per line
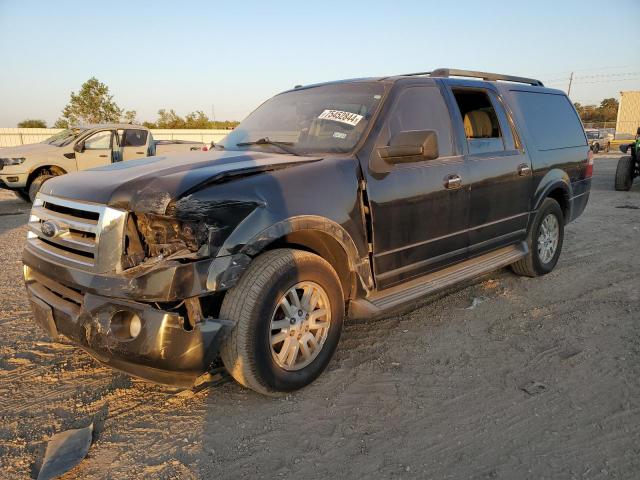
(481,124)
(134,138)
(551,120)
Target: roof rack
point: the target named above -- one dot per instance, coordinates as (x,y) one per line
(452,72)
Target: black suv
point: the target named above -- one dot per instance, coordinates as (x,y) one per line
(344,198)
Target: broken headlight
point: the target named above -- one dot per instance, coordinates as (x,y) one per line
(190,226)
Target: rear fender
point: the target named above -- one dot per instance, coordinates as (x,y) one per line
(555,184)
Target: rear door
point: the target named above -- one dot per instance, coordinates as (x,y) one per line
(419,216)
(134,143)
(98,150)
(500,175)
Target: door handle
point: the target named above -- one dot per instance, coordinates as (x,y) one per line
(139,153)
(452,182)
(103,156)
(523,169)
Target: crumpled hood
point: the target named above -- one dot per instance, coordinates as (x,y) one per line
(29,150)
(149,184)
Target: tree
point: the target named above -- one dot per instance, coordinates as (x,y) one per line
(169,119)
(197,120)
(130,116)
(92,104)
(32,123)
(61,123)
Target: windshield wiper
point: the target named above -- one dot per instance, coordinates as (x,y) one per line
(265,141)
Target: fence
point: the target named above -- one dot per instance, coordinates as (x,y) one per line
(11,137)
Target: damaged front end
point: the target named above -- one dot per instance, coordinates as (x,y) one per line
(148,311)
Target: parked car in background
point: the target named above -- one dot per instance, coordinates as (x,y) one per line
(599,140)
(348,198)
(25,168)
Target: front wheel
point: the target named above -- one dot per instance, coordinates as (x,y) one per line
(22,195)
(624,174)
(596,148)
(544,240)
(288,310)
(36,184)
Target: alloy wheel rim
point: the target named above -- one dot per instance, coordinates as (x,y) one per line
(548,236)
(299,326)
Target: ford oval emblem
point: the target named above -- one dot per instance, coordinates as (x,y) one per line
(50,229)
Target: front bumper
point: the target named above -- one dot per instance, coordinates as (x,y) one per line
(165,351)
(13,181)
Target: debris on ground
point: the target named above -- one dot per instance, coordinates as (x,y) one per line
(476,301)
(533,388)
(64,451)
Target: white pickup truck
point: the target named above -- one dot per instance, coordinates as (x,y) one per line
(25,168)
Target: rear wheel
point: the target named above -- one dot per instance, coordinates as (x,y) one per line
(596,148)
(544,240)
(607,148)
(288,310)
(36,184)
(624,174)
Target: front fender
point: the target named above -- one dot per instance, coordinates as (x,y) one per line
(226,270)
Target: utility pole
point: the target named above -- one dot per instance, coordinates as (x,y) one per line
(213,112)
(570,81)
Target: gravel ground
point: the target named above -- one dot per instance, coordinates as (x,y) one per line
(540,379)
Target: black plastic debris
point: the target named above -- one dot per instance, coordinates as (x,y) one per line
(64,451)
(533,388)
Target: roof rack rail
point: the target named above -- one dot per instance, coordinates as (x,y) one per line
(452,72)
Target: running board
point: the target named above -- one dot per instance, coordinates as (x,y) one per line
(380,302)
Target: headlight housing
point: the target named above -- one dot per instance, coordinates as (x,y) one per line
(11,161)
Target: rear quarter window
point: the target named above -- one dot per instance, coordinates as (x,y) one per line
(551,120)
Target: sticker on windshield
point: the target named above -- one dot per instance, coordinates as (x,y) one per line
(339,135)
(342,117)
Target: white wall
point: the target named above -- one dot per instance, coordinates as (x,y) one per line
(10,137)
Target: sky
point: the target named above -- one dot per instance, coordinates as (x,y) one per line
(225,58)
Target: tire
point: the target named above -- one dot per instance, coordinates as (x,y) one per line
(607,148)
(624,174)
(535,263)
(596,148)
(22,195)
(248,352)
(36,184)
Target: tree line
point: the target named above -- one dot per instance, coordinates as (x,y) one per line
(93,104)
(607,111)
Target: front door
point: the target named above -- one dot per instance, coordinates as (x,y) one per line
(499,175)
(418,210)
(134,143)
(97,151)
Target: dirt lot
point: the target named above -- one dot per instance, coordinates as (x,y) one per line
(436,392)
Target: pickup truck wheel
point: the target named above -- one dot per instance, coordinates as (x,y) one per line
(624,174)
(22,195)
(596,148)
(544,240)
(288,310)
(607,148)
(36,184)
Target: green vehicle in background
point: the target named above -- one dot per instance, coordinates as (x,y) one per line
(628,166)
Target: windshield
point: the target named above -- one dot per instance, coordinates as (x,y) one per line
(592,135)
(323,119)
(64,137)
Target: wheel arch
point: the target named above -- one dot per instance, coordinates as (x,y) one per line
(555,184)
(52,169)
(311,233)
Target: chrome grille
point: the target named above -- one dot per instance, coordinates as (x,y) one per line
(80,234)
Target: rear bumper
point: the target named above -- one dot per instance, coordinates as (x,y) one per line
(164,351)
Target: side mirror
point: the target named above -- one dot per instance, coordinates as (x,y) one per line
(411,146)
(79,147)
